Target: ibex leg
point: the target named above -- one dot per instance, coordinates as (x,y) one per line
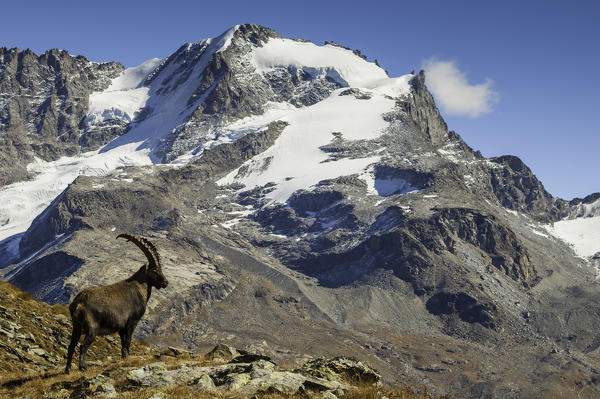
(89,338)
(74,341)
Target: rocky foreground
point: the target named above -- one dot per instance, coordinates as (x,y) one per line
(34,338)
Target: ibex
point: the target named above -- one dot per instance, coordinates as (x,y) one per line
(117,307)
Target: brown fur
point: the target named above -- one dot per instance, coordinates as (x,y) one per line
(116,307)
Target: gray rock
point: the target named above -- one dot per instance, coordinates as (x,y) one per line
(341,369)
(60,394)
(178,351)
(222,352)
(152,375)
(100,386)
(204,382)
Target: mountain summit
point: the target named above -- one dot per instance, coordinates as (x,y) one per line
(303,202)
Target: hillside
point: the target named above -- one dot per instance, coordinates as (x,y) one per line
(34,337)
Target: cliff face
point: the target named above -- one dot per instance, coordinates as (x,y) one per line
(43,101)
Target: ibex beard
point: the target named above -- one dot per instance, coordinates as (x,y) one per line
(116,307)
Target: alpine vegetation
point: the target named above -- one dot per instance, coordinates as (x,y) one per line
(116,307)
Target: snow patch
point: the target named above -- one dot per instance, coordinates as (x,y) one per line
(449,154)
(469,180)
(385,187)
(230,223)
(539,230)
(223,41)
(278,235)
(245,212)
(124,97)
(583,234)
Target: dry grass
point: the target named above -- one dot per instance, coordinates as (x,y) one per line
(36,386)
(371,392)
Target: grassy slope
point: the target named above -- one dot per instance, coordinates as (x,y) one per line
(33,342)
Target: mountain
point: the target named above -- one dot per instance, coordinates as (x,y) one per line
(304,202)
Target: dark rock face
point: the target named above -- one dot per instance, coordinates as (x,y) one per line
(305,202)
(409,249)
(587,200)
(44,101)
(223,157)
(47,272)
(412,246)
(464,305)
(99,134)
(492,237)
(517,188)
(421,108)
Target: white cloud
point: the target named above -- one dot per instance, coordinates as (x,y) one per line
(453,92)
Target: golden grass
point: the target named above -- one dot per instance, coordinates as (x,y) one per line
(35,386)
(372,392)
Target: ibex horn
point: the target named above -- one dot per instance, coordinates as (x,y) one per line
(147,248)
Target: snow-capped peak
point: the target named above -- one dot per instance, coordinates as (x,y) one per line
(342,64)
(223,41)
(170,90)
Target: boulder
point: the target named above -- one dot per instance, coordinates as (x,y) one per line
(100,386)
(342,369)
(222,352)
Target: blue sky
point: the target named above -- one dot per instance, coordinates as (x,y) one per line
(542,58)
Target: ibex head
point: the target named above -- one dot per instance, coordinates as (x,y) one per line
(153,268)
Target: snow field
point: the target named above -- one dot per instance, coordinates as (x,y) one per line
(353,70)
(582,233)
(385,187)
(124,97)
(296,153)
